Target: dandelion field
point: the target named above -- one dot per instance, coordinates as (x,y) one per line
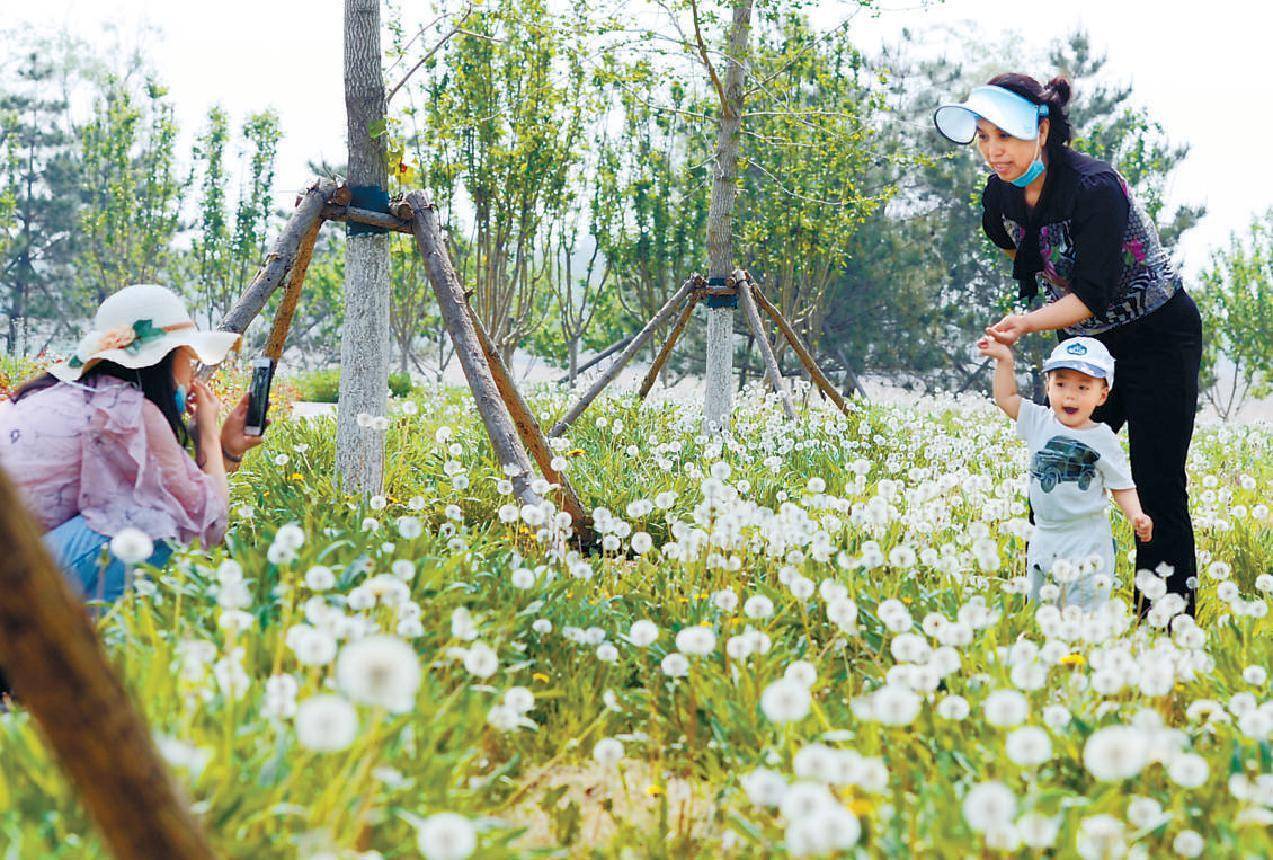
(804,639)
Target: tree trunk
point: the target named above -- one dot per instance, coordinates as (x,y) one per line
(60,672)
(573,370)
(720,248)
(364,345)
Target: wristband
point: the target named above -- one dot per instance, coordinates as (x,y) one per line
(227,455)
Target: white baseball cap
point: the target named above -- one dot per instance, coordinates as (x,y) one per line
(138,326)
(1015,114)
(1084,354)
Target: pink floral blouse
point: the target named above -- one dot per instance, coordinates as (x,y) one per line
(103,450)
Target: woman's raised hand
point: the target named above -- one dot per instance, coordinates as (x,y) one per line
(207,412)
(233,440)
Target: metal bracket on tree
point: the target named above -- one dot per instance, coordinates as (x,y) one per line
(371,198)
(721,293)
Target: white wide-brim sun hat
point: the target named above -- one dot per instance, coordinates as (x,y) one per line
(1015,114)
(136,327)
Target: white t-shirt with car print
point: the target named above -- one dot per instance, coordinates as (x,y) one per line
(1070,469)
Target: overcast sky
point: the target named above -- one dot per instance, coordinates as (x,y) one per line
(1200,68)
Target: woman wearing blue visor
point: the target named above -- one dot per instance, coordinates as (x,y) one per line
(1073,222)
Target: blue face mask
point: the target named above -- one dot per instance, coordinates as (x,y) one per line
(1033,172)
(179,398)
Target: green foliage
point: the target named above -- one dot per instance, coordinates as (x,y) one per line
(399,384)
(806,162)
(38,198)
(323,386)
(319,386)
(130,187)
(1236,302)
(502,127)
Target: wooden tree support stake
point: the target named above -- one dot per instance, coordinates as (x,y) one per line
(619,363)
(531,434)
(60,673)
(815,372)
(292,294)
(446,287)
(599,357)
(282,257)
(766,351)
(666,351)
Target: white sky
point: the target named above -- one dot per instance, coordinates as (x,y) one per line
(1198,67)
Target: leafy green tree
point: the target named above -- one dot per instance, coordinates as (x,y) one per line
(37,198)
(130,187)
(223,257)
(501,130)
(806,158)
(1237,305)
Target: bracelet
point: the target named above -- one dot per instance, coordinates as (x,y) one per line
(227,455)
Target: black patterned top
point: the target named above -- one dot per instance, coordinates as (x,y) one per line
(1087,235)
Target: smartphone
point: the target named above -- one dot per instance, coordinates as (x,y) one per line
(259,396)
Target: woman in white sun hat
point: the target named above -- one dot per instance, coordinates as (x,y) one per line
(98,445)
(1072,224)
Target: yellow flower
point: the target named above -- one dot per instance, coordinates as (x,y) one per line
(297,476)
(1073,660)
(653,790)
(540,677)
(575,453)
(860,806)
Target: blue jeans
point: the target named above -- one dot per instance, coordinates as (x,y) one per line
(78,550)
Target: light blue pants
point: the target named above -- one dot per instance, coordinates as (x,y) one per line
(84,556)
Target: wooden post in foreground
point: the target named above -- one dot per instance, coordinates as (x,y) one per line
(613,370)
(450,295)
(528,428)
(766,351)
(60,674)
(815,372)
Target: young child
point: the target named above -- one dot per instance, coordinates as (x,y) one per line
(1073,461)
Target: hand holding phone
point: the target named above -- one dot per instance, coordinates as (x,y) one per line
(259,396)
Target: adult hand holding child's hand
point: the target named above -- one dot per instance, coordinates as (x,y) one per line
(1143,526)
(992,348)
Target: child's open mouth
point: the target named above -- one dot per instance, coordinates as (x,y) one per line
(1070,410)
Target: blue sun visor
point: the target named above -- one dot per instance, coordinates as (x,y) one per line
(1015,114)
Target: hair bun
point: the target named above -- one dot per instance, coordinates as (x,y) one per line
(1057,92)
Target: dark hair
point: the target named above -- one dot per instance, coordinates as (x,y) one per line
(154,381)
(1056,95)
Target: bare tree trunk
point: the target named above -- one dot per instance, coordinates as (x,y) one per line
(718,396)
(59,669)
(364,346)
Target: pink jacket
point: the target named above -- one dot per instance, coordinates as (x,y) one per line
(103,450)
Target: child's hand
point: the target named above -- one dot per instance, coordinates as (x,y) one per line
(992,348)
(1144,527)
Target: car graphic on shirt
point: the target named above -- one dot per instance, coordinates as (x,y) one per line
(1064,459)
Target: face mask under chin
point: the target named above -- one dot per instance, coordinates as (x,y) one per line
(1033,172)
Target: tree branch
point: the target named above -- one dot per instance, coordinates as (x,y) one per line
(458,28)
(707,61)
